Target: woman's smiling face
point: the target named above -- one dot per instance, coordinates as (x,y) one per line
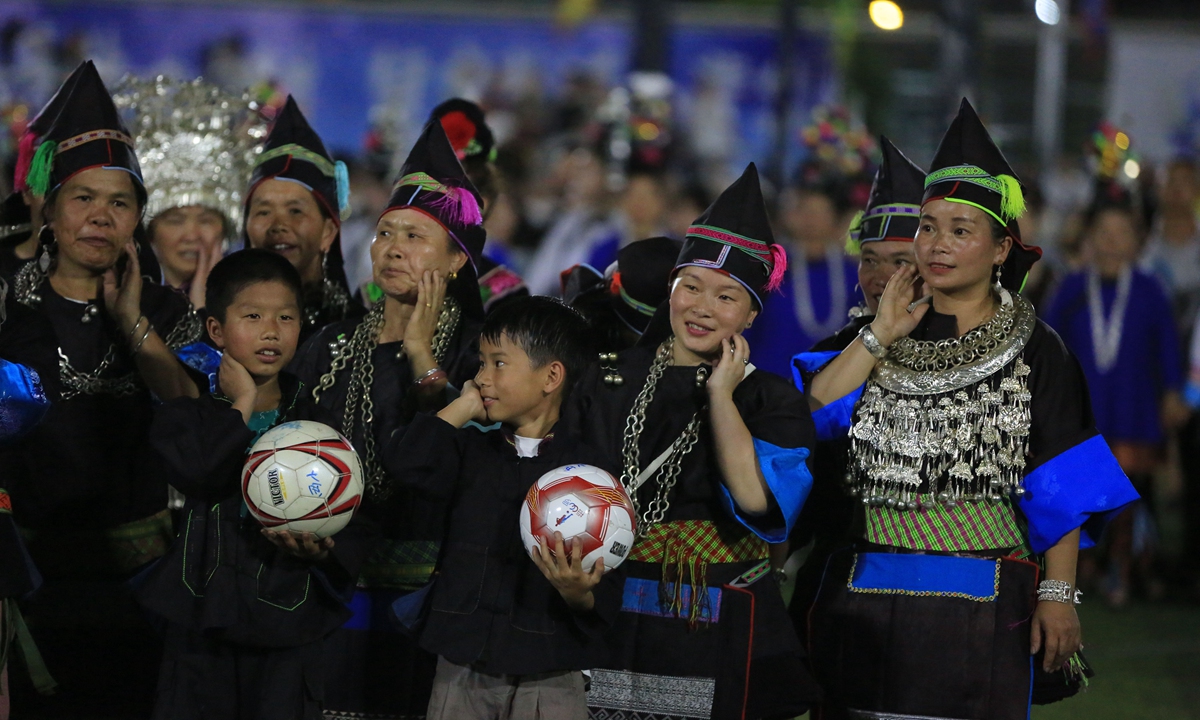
(708,307)
(955,248)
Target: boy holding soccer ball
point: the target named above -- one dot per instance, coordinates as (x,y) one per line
(246,608)
(512,632)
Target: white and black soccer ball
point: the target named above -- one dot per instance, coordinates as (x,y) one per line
(581,501)
(303,476)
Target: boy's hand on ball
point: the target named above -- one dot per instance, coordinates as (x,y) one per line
(305,546)
(565,572)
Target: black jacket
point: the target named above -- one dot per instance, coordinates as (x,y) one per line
(221,574)
(490,606)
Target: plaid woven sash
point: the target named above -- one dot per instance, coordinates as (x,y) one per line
(686,548)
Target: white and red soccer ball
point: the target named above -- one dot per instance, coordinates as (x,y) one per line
(303,476)
(581,501)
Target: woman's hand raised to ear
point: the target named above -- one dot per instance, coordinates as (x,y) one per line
(431,295)
(894,319)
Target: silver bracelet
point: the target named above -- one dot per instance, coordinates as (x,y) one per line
(871,343)
(1058,591)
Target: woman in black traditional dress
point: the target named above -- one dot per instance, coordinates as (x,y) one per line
(882,236)
(87,496)
(979,469)
(375,373)
(714,454)
(295,204)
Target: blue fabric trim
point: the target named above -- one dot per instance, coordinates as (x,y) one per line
(371,609)
(23,402)
(810,362)
(926,575)
(833,420)
(788,479)
(641,596)
(202,358)
(1083,487)
(1191,395)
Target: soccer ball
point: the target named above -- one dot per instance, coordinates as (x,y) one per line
(580,501)
(303,476)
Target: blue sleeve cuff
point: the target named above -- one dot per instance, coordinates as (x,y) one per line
(202,358)
(833,420)
(1083,487)
(789,481)
(809,362)
(23,402)
(1191,395)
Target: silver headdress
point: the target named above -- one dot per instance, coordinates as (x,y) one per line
(196,143)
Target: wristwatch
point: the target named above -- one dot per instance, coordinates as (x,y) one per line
(871,343)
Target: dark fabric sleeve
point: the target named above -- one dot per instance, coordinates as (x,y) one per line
(312,359)
(1061,409)
(202,442)
(426,456)
(1074,481)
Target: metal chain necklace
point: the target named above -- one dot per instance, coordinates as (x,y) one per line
(668,474)
(1107,334)
(359,408)
(803,299)
(91,383)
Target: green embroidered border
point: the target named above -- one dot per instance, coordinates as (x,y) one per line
(300,153)
(927,593)
(641,307)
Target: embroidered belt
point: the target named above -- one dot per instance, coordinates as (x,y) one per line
(685,549)
(136,543)
(400,564)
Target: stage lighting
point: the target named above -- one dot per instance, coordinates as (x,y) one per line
(886,14)
(1047,11)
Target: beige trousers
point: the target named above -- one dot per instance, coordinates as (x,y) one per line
(460,693)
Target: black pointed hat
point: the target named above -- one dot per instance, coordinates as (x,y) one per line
(968,168)
(293,151)
(38,126)
(894,210)
(85,133)
(432,181)
(734,235)
(642,280)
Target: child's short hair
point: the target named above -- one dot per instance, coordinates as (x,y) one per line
(546,329)
(242,269)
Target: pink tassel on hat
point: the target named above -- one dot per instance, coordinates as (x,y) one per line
(25,151)
(459,207)
(778,267)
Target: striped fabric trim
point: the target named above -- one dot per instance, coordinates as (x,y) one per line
(964,527)
(90,136)
(638,305)
(425,181)
(757,248)
(904,209)
(300,153)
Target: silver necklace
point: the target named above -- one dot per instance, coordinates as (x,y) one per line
(359,407)
(1107,333)
(802,296)
(668,472)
